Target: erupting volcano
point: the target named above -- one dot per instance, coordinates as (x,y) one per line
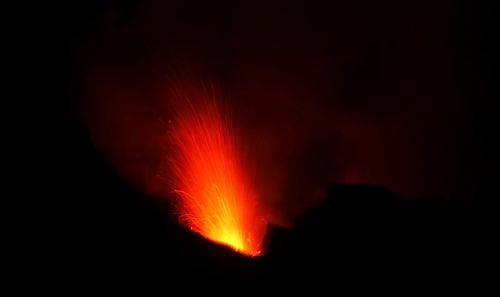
(215,195)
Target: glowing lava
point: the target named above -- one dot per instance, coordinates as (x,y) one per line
(215,197)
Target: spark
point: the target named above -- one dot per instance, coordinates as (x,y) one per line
(215,196)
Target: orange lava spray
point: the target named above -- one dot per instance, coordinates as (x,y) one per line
(215,196)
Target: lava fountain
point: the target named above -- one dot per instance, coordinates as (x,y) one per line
(214,195)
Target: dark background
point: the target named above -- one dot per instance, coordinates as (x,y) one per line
(100,227)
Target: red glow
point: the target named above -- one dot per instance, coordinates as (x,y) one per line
(215,196)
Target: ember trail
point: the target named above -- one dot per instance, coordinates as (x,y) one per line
(214,195)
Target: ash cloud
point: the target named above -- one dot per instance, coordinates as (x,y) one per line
(320,94)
